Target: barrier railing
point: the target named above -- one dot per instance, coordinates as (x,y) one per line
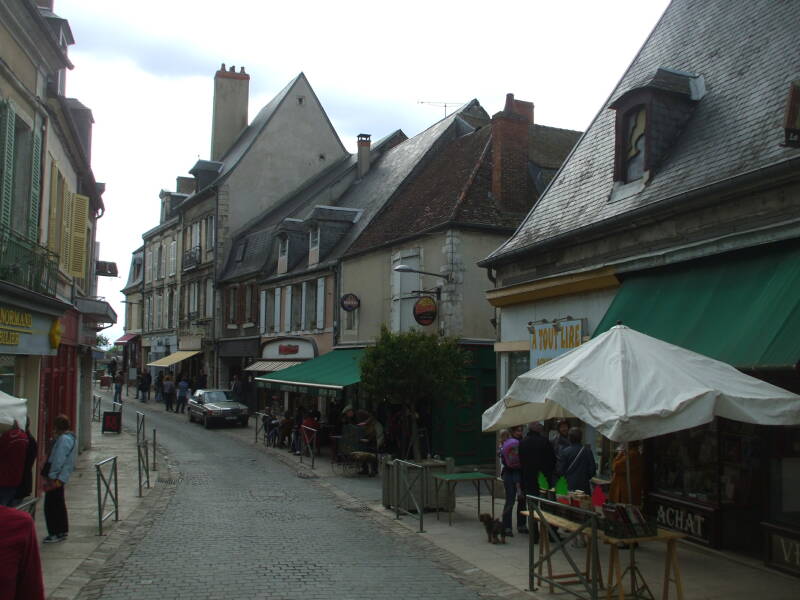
(587,525)
(260,427)
(155,446)
(97,408)
(29,506)
(308,441)
(401,468)
(142,453)
(116,406)
(104,492)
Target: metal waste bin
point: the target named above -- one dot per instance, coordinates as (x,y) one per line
(424,494)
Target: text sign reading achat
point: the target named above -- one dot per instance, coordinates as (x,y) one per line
(549,340)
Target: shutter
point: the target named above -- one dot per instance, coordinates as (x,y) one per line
(303,305)
(321,303)
(287,310)
(7,123)
(52,223)
(80,219)
(36,186)
(276,326)
(262,312)
(66,229)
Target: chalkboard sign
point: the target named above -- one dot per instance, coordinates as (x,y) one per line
(112,421)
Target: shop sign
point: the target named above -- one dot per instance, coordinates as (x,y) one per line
(698,522)
(349,302)
(112,422)
(26,332)
(425,310)
(281,348)
(784,552)
(284,349)
(549,340)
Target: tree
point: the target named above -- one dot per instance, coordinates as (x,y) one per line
(101,341)
(413,370)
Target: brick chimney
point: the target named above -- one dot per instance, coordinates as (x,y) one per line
(231,92)
(364,145)
(510,130)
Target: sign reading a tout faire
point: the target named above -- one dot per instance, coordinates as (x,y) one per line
(549,340)
(425,310)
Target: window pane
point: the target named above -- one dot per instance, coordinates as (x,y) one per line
(635,144)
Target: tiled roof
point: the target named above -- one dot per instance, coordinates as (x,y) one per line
(549,146)
(747,52)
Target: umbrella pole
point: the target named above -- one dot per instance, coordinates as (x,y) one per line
(628,471)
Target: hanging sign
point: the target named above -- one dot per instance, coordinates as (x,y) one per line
(425,310)
(349,302)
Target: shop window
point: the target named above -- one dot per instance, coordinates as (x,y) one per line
(784,475)
(518,363)
(7,374)
(686,464)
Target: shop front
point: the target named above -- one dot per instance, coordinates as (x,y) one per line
(728,484)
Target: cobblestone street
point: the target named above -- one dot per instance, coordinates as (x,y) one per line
(242,524)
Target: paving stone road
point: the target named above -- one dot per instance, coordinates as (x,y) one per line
(241,524)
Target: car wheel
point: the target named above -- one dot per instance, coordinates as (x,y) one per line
(245,421)
(191,416)
(206,422)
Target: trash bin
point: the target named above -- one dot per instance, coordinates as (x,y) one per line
(427,497)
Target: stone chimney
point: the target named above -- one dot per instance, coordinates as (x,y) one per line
(231,92)
(510,131)
(364,145)
(184,185)
(48,4)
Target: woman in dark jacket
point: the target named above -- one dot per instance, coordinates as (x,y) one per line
(576,463)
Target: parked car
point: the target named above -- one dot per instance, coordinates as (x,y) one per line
(216,406)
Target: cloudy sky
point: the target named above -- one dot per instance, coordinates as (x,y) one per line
(146,70)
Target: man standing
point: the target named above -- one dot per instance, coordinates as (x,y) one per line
(118,380)
(536,456)
(512,478)
(147,379)
(13,449)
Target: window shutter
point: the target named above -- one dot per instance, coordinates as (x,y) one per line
(52,224)
(321,303)
(262,312)
(303,301)
(80,218)
(36,186)
(66,229)
(276,326)
(7,123)
(287,312)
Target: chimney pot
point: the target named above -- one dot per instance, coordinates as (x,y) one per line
(364,147)
(231,91)
(222,68)
(241,69)
(232,69)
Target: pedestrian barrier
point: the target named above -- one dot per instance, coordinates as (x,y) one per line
(142,453)
(104,484)
(155,467)
(308,443)
(260,427)
(405,486)
(97,408)
(116,406)
(29,506)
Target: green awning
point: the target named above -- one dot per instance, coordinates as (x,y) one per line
(333,371)
(742,308)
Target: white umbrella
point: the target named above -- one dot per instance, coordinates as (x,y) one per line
(630,386)
(12,409)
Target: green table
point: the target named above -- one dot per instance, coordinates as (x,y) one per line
(452,479)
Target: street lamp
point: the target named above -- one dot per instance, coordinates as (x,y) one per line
(407,269)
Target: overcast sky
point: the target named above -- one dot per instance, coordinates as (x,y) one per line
(146,70)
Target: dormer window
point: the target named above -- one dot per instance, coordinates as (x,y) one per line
(634,150)
(313,238)
(283,246)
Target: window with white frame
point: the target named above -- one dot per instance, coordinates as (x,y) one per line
(148,313)
(209,298)
(297,307)
(159,261)
(287,309)
(148,266)
(231,304)
(194,289)
(313,241)
(310,304)
(210,233)
(274,321)
(171,309)
(405,288)
(263,308)
(196,234)
(173,253)
(248,303)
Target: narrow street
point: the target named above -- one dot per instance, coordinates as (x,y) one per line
(241,524)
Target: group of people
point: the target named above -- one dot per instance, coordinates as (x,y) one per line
(173,391)
(523,460)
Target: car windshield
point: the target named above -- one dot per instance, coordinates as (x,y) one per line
(217,396)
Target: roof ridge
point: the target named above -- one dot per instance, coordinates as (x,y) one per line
(556,128)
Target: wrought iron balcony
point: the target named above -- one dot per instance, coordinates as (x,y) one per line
(191,258)
(26,263)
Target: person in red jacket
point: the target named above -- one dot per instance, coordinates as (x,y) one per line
(13,449)
(20,564)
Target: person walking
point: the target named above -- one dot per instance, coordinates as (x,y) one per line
(576,463)
(20,563)
(13,449)
(169,392)
(25,488)
(183,395)
(147,380)
(618,490)
(118,380)
(536,456)
(57,471)
(159,387)
(512,479)
(560,439)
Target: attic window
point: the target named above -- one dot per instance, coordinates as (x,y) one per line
(240,249)
(322,157)
(314,237)
(633,158)
(283,246)
(301,100)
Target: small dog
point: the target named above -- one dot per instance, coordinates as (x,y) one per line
(494,529)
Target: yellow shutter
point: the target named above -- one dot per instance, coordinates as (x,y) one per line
(66,229)
(80,221)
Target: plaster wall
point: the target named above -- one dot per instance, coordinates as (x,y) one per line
(19,64)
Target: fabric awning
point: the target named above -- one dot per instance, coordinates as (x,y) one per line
(742,308)
(268,366)
(173,358)
(126,338)
(332,371)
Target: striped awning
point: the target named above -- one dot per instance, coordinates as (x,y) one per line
(173,358)
(268,366)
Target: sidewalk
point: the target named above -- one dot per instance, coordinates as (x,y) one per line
(706,574)
(69,565)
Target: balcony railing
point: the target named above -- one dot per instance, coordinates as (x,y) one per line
(191,258)
(26,263)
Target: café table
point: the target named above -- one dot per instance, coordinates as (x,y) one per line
(450,480)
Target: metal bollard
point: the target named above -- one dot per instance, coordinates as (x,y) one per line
(155,466)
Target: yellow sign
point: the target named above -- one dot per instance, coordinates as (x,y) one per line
(549,340)
(15,318)
(9,338)
(55,333)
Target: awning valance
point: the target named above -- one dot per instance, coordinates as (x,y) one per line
(332,371)
(173,358)
(126,338)
(742,308)
(269,366)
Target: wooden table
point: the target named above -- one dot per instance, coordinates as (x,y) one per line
(451,480)
(616,575)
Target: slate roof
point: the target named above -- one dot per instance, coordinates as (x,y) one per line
(549,146)
(747,52)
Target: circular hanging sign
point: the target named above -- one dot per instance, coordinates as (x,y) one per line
(349,302)
(425,310)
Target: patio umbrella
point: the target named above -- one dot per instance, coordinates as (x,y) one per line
(630,386)
(12,409)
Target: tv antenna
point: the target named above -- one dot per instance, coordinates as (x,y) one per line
(442,104)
